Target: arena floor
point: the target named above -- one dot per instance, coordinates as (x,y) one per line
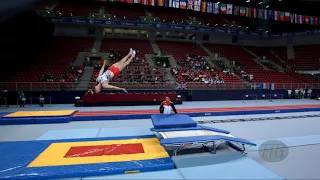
(301,135)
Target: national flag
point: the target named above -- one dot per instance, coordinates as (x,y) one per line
(296,18)
(248,12)
(276,15)
(316,20)
(121,0)
(145,2)
(261,13)
(181,85)
(255,86)
(292,18)
(216,8)
(183,4)
(190,4)
(129,1)
(301,19)
(175,3)
(306,20)
(242,11)
(311,20)
(112,1)
(287,16)
(160,2)
(255,13)
(203,6)
(270,14)
(223,9)
(236,10)
(229,8)
(197,5)
(209,7)
(265,14)
(269,86)
(282,16)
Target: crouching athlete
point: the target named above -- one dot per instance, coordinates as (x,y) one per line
(102,82)
(166,107)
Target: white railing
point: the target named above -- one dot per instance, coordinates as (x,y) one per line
(57,86)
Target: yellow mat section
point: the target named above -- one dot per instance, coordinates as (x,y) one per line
(40,113)
(54,154)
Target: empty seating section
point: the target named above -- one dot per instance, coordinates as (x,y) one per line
(302,77)
(64,50)
(307,57)
(169,15)
(179,50)
(208,18)
(235,53)
(275,54)
(77,10)
(272,76)
(133,14)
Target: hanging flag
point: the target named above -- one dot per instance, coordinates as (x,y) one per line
(270,14)
(209,7)
(301,19)
(276,15)
(242,11)
(216,8)
(281,16)
(190,4)
(287,16)
(292,18)
(121,0)
(248,12)
(261,13)
(306,20)
(129,1)
(197,5)
(175,3)
(316,20)
(166,3)
(229,8)
(236,10)
(296,18)
(183,4)
(253,12)
(311,19)
(160,2)
(265,14)
(145,2)
(223,9)
(203,6)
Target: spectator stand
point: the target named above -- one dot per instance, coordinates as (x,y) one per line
(269,97)
(34,99)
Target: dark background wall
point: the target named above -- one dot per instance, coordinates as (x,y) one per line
(67,97)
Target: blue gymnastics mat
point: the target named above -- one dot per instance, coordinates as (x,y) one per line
(163,121)
(223,165)
(36,117)
(17,156)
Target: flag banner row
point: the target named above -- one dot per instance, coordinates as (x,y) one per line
(221,8)
(173,26)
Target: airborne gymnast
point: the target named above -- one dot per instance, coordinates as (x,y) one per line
(102,82)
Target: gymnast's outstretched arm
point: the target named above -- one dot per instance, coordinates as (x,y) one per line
(102,68)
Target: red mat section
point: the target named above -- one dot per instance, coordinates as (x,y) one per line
(104,150)
(194,110)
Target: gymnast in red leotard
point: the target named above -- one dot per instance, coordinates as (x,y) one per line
(102,82)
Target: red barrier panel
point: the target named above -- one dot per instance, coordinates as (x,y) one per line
(129,97)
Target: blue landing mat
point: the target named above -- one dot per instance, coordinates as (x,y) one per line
(223,165)
(16,156)
(172,121)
